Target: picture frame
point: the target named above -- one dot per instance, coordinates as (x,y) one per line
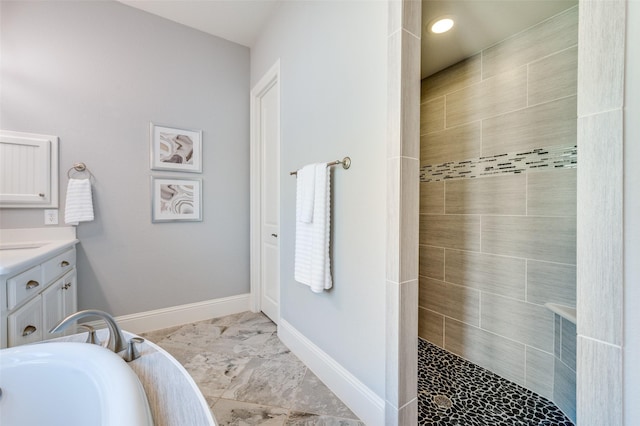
(176,200)
(175,149)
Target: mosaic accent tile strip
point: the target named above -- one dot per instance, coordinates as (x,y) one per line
(454,392)
(557,157)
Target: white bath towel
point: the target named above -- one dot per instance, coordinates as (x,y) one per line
(79,205)
(305,191)
(312,261)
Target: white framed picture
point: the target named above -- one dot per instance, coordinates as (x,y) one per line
(174,149)
(176,199)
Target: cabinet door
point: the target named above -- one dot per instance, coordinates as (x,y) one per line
(25,324)
(52,308)
(59,300)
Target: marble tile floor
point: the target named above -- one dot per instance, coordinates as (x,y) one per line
(248,376)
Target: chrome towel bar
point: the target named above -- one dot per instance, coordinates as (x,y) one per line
(346,163)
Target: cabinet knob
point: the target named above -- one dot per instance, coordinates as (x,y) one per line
(274,235)
(32,284)
(66,286)
(28,330)
(64,263)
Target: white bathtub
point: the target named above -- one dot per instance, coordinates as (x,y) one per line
(67,383)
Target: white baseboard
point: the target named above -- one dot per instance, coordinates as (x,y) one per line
(365,403)
(144,322)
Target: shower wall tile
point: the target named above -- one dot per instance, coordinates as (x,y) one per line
(486,272)
(551,283)
(496,95)
(557,331)
(432,116)
(457,76)
(541,238)
(450,231)
(569,348)
(539,371)
(523,322)
(453,144)
(502,356)
(564,394)
(431,326)
(537,42)
(601,56)
(600,384)
(552,193)
(492,195)
(549,124)
(553,77)
(432,262)
(458,302)
(432,197)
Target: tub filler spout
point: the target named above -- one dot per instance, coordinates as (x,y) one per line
(117,343)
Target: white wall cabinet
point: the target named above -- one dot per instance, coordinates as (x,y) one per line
(38,298)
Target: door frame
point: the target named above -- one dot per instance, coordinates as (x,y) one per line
(268,80)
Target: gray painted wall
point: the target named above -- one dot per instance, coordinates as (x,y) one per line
(334,104)
(95,74)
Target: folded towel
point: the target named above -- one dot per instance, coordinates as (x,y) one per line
(79,205)
(305,192)
(312,261)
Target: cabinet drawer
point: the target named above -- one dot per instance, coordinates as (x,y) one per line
(25,324)
(23,286)
(55,267)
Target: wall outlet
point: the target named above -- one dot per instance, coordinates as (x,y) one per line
(51,217)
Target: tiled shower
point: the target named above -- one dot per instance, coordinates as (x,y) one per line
(498,209)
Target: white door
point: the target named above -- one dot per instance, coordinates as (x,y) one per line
(266,141)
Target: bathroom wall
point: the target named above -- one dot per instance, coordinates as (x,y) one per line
(333,104)
(498,208)
(96,74)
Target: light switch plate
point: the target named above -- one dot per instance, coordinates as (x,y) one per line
(51,217)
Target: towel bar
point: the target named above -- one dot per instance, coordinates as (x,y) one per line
(346,163)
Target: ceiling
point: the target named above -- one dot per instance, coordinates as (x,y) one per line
(479,23)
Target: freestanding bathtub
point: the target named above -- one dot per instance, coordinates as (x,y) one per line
(69,384)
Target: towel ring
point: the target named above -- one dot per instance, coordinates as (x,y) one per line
(79,168)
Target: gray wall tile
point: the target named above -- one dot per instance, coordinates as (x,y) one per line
(487,195)
(557,333)
(551,282)
(564,393)
(537,42)
(541,238)
(524,322)
(601,56)
(453,144)
(486,272)
(539,372)
(432,262)
(455,77)
(432,197)
(568,344)
(432,116)
(550,124)
(600,243)
(553,77)
(455,301)
(552,193)
(502,356)
(600,386)
(431,326)
(496,95)
(458,232)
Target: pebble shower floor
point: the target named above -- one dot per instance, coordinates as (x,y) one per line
(455,392)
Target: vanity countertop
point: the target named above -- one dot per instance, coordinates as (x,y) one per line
(19,248)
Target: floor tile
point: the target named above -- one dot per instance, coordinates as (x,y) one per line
(313,396)
(307,419)
(235,413)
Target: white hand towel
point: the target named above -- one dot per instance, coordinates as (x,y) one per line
(79,205)
(312,261)
(305,192)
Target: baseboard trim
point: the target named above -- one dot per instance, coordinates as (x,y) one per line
(157,319)
(365,403)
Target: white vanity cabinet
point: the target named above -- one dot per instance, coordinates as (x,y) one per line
(38,298)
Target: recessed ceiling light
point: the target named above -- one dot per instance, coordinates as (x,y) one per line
(441,25)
